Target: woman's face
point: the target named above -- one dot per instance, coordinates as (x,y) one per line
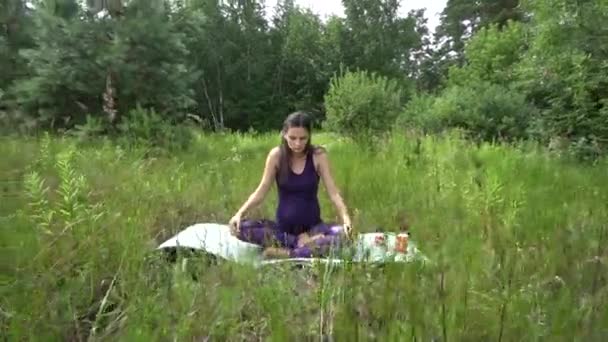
(297,138)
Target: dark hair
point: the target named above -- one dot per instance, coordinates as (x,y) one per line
(295,119)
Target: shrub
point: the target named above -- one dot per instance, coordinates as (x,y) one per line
(146,127)
(486,111)
(361,104)
(417,113)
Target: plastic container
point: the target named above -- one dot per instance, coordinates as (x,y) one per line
(401,242)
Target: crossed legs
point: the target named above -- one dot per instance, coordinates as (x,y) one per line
(315,243)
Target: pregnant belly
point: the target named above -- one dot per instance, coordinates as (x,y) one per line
(298,212)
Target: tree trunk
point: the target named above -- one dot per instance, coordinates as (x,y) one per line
(221,95)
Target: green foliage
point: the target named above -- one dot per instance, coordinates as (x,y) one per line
(485,111)
(149,62)
(479,97)
(15,34)
(141,127)
(5,56)
(65,80)
(505,69)
(362,104)
(462,19)
(221,61)
(540,79)
(303,74)
(517,235)
(516,239)
(75,55)
(378,38)
(565,73)
(491,55)
(419,114)
(460,24)
(234,61)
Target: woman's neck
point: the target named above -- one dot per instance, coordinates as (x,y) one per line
(297,156)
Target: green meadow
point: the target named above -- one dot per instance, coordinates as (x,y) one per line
(516,237)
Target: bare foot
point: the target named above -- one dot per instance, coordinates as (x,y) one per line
(305,240)
(274,252)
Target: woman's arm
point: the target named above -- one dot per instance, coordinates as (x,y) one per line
(324,170)
(270,169)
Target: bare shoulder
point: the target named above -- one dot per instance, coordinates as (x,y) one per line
(273,156)
(320,151)
(274,152)
(320,157)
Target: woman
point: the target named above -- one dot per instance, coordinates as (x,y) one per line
(296,166)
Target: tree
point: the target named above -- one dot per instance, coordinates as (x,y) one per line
(565,74)
(378,39)
(78,57)
(461,19)
(362,104)
(303,71)
(15,34)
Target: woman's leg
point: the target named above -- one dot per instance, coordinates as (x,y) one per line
(317,232)
(316,242)
(262,233)
(327,229)
(282,246)
(276,252)
(316,246)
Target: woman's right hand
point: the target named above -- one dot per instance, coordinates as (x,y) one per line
(235,224)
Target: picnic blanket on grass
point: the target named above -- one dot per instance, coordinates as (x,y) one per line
(216,239)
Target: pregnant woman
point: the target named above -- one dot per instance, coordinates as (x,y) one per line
(296,166)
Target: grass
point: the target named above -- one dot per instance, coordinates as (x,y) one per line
(517,238)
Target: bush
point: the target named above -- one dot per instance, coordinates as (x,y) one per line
(565,74)
(147,127)
(418,113)
(486,112)
(361,104)
(569,90)
(491,54)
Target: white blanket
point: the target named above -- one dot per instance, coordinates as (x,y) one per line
(217,240)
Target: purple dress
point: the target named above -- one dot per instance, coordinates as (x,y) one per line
(298,210)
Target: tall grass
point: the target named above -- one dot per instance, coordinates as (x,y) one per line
(517,240)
